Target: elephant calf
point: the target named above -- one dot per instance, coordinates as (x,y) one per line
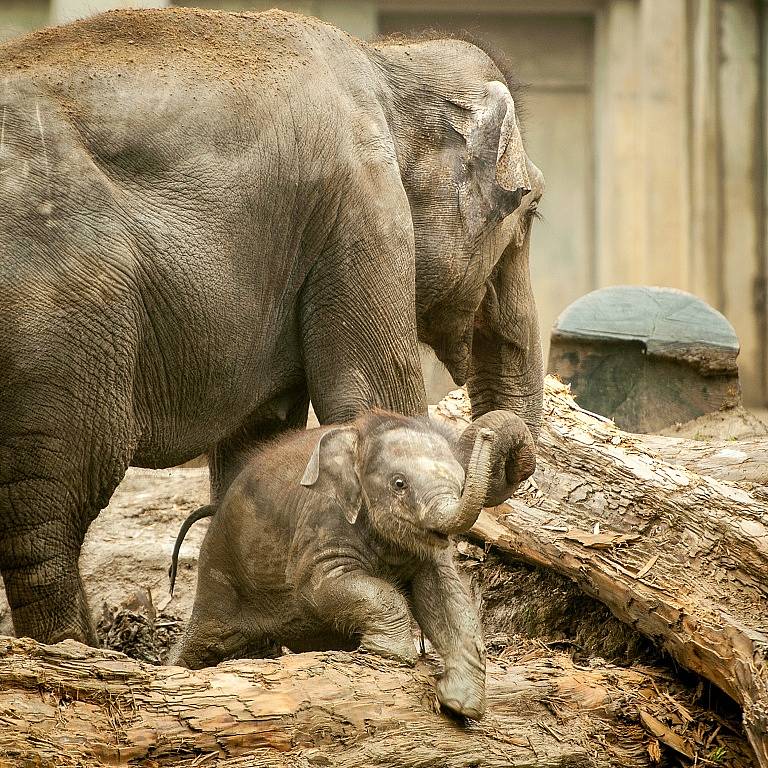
(329,537)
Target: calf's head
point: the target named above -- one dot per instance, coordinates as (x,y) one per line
(404,473)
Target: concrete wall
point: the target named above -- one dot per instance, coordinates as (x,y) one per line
(20,16)
(680,144)
(67,10)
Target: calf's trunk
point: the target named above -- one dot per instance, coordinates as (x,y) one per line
(476,485)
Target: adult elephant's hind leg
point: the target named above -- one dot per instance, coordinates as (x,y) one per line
(55,476)
(286,411)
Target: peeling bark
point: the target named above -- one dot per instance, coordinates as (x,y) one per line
(681,557)
(739,461)
(69,705)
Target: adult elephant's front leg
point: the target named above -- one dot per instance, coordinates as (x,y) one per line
(358,306)
(449,619)
(58,469)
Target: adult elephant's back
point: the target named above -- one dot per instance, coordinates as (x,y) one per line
(159,209)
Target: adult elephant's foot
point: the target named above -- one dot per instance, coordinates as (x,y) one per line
(39,565)
(47,608)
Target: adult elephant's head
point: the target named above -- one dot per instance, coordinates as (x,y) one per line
(473,193)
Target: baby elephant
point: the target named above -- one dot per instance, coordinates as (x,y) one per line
(329,538)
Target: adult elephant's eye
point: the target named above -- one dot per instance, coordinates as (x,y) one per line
(399,483)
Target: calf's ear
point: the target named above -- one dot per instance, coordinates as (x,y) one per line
(332,470)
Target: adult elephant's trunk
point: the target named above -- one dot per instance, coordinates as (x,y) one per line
(476,486)
(509,377)
(507,371)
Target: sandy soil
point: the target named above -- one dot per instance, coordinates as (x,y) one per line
(731,424)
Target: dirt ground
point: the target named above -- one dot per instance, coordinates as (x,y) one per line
(736,423)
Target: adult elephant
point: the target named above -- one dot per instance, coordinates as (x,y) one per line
(208,218)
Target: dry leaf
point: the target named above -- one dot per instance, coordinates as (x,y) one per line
(470,550)
(647,567)
(654,751)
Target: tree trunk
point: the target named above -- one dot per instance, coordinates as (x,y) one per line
(681,557)
(739,461)
(69,705)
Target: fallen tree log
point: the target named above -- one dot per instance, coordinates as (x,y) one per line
(69,705)
(681,557)
(694,581)
(738,461)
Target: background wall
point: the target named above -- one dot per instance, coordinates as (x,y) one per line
(648,119)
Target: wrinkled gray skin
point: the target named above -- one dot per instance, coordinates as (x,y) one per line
(207,219)
(330,538)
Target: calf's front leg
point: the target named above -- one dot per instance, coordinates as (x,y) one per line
(356,603)
(447,616)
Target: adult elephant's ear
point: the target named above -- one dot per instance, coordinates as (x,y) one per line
(496,166)
(511,160)
(332,470)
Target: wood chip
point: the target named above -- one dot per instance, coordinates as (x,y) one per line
(599,540)
(647,567)
(665,734)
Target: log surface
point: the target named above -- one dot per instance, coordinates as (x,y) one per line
(69,705)
(739,461)
(679,556)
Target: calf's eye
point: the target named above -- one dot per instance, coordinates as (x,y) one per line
(399,483)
